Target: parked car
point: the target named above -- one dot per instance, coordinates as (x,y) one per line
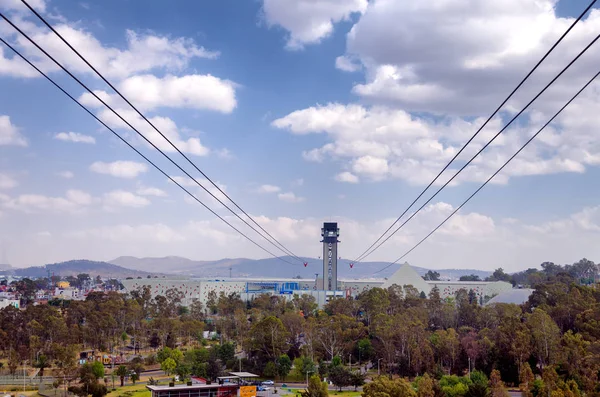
(263,388)
(268,382)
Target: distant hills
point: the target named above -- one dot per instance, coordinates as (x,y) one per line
(75,267)
(129,266)
(270,267)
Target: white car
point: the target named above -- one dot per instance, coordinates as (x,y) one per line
(268,383)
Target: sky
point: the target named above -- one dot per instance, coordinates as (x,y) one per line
(303,112)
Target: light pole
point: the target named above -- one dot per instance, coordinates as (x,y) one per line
(307,372)
(378,371)
(350,359)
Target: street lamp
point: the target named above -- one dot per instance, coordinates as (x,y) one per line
(378,371)
(350,359)
(307,372)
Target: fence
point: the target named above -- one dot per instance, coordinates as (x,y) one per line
(26,380)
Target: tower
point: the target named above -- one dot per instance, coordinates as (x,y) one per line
(330,234)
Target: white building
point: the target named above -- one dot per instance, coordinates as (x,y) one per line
(5,302)
(249,288)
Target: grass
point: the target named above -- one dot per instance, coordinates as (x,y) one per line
(138,390)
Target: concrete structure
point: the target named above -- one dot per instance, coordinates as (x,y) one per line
(330,234)
(517,296)
(227,386)
(248,289)
(5,302)
(406,275)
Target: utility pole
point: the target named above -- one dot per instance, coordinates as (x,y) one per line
(378,371)
(350,359)
(230,271)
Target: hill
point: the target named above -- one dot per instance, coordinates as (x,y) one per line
(271,267)
(75,267)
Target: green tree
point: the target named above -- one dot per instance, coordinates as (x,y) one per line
(122,372)
(424,386)
(526,379)
(357,379)
(284,366)
(432,276)
(270,370)
(315,388)
(340,377)
(98,370)
(496,385)
(168,365)
(42,363)
(385,387)
(183,371)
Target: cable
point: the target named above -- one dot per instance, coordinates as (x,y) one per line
(139,133)
(138,152)
(495,173)
(486,145)
(283,248)
(362,256)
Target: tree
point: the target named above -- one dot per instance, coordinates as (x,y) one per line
(98,370)
(269,337)
(424,386)
(471,277)
(340,377)
(284,366)
(432,276)
(357,379)
(496,385)
(385,387)
(270,370)
(499,275)
(315,388)
(526,379)
(183,371)
(42,363)
(546,337)
(168,365)
(122,372)
(304,365)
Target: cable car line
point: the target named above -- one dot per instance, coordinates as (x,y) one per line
(368,251)
(142,155)
(494,174)
(142,135)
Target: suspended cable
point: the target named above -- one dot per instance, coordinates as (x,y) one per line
(142,155)
(364,254)
(285,249)
(494,174)
(140,134)
(484,147)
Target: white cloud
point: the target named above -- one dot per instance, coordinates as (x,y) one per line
(121,198)
(290,197)
(119,169)
(268,189)
(17,5)
(309,21)
(143,52)
(66,174)
(15,66)
(379,142)
(416,55)
(346,177)
(9,133)
(75,137)
(191,91)
(73,202)
(7,182)
(224,153)
(346,64)
(163,124)
(151,191)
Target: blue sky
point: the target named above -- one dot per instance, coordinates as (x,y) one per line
(346,110)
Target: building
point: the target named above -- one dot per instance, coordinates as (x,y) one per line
(227,386)
(6,302)
(406,275)
(248,289)
(330,234)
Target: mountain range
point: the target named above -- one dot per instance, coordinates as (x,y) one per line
(272,267)
(129,266)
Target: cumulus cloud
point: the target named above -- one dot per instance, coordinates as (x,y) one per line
(163,124)
(17,5)
(380,142)
(66,174)
(347,177)
(121,198)
(119,169)
(9,133)
(142,52)
(151,191)
(416,56)
(7,182)
(308,21)
(75,137)
(268,189)
(290,197)
(347,64)
(74,201)
(190,91)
